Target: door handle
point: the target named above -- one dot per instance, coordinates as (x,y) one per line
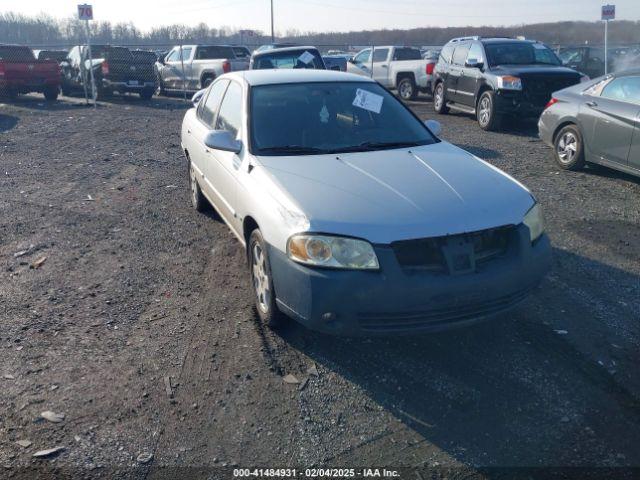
(384,66)
(591,104)
(188,131)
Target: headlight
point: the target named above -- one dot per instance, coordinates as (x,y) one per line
(335,252)
(533,219)
(508,82)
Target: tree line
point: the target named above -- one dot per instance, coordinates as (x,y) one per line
(44,30)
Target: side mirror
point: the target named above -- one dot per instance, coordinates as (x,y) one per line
(352,60)
(434,126)
(222,140)
(473,63)
(197,97)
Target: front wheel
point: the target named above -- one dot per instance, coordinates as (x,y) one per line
(407,89)
(439,102)
(262,281)
(486,114)
(197,198)
(568,148)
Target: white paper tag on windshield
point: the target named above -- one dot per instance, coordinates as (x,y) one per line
(368,101)
(306,57)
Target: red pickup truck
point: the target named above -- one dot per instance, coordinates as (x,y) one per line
(20,72)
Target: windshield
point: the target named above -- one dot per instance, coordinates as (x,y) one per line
(331,117)
(521,53)
(290,59)
(16,54)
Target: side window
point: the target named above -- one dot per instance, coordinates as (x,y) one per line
(460,54)
(446,53)
(623,89)
(475,53)
(380,55)
(363,57)
(209,106)
(186,54)
(230,116)
(174,56)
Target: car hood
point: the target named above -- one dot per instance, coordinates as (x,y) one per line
(400,194)
(525,70)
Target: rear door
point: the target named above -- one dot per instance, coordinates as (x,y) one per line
(615,117)
(199,153)
(381,66)
(455,72)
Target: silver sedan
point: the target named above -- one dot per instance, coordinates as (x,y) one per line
(597,122)
(356,218)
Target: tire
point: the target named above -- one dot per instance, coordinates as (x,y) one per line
(486,114)
(568,148)
(198,201)
(439,99)
(66,91)
(262,281)
(407,89)
(206,81)
(51,94)
(146,94)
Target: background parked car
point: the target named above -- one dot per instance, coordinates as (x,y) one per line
(21,72)
(201,65)
(336,62)
(400,68)
(598,122)
(590,60)
(289,57)
(115,69)
(495,77)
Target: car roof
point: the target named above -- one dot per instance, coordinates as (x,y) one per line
(273,77)
(283,49)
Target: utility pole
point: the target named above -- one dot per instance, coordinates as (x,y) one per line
(273,38)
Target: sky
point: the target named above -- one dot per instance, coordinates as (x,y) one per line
(330,15)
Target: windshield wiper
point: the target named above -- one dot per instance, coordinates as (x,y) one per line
(293,149)
(371,146)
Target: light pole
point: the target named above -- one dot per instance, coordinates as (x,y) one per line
(273,38)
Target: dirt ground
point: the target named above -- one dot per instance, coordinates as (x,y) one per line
(131,314)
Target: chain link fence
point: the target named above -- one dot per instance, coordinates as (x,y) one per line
(96,72)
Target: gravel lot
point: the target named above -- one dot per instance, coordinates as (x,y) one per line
(130,314)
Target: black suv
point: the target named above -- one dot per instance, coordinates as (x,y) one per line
(496,77)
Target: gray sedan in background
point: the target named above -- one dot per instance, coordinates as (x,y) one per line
(597,122)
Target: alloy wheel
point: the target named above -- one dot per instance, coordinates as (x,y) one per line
(438,99)
(194,185)
(484,113)
(567,147)
(260,277)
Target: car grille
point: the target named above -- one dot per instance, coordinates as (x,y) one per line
(428,254)
(382,322)
(540,89)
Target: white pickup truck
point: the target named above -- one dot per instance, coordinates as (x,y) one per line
(192,67)
(399,68)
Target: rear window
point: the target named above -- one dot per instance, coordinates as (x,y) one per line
(16,54)
(57,55)
(113,53)
(304,58)
(144,56)
(241,52)
(214,52)
(406,53)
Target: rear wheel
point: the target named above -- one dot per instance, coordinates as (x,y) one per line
(51,93)
(439,102)
(407,89)
(146,94)
(262,281)
(197,198)
(568,148)
(486,114)
(206,81)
